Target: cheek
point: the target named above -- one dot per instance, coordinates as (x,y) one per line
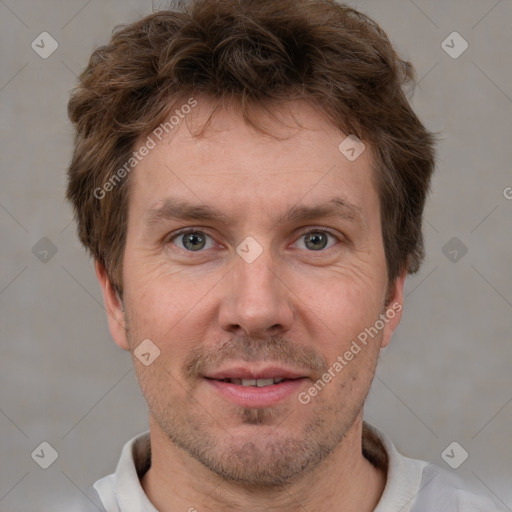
(172,312)
(343,302)
(163,295)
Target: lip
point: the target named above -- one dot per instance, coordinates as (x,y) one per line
(252,396)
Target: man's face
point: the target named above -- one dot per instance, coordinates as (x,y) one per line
(271,289)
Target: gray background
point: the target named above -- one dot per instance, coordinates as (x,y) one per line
(446,376)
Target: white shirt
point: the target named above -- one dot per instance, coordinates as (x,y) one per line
(411,486)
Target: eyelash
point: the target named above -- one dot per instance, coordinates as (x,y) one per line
(186,231)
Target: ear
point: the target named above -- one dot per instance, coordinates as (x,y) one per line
(114,307)
(394,308)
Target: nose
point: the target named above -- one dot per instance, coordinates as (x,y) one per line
(256,299)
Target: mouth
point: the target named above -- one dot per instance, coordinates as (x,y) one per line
(251,387)
(258,383)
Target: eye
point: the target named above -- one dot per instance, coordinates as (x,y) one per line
(192,240)
(317,240)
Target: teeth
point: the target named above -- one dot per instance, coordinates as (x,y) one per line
(260,383)
(263,382)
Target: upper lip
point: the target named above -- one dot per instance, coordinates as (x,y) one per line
(246,372)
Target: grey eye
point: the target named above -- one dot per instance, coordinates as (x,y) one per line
(316,240)
(192,241)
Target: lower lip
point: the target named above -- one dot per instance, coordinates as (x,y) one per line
(252,396)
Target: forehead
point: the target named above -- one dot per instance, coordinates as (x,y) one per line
(232,168)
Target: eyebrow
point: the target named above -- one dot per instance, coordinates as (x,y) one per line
(174,209)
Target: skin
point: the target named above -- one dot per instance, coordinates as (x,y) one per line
(296,304)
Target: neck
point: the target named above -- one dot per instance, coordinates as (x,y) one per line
(345,480)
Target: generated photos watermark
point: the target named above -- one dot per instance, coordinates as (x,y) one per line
(156,136)
(343,360)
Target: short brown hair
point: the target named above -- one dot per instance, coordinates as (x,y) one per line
(255,52)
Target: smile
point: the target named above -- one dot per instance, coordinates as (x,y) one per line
(259,393)
(260,383)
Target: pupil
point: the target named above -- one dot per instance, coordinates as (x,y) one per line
(315,238)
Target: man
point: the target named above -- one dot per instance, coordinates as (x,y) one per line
(250,179)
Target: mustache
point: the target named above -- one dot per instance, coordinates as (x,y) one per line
(244,348)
